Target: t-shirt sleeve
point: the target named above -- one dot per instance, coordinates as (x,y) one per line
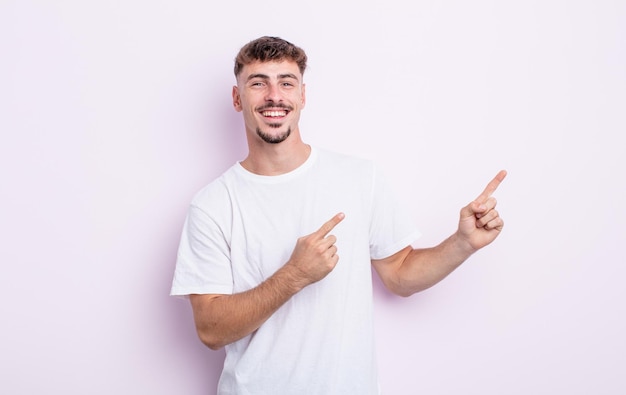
(391,227)
(203,262)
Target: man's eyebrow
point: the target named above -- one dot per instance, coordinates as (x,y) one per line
(258,75)
(288,75)
(266,77)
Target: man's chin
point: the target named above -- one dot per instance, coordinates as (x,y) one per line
(273,138)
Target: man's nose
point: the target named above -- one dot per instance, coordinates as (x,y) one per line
(273,93)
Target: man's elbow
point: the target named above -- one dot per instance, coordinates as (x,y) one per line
(211,340)
(404,288)
(396,288)
(208,329)
(405,292)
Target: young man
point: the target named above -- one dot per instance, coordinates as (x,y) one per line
(275,254)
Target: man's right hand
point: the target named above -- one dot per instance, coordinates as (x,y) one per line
(315,255)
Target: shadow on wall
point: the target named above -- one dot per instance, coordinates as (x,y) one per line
(233,135)
(224,136)
(225,127)
(196,367)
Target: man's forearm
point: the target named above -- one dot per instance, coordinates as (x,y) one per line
(423,268)
(479,225)
(223,319)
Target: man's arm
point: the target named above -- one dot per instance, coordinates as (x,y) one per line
(413,270)
(223,319)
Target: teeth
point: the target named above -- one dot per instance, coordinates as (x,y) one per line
(274,113)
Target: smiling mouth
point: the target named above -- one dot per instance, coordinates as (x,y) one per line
(274,113)
(274,110)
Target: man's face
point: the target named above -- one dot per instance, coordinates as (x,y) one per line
(270,95)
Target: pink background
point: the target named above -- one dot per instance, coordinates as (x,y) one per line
(112,115)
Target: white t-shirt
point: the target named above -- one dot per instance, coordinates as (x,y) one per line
(243,227)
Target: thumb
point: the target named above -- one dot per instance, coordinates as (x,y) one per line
(472,210)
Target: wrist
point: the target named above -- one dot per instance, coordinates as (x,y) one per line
(461,246)
(291,278)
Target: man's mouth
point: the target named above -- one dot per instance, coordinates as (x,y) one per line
(274,113)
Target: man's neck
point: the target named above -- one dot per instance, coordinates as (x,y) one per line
(275,159)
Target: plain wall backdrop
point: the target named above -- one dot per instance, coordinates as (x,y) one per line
(114,113)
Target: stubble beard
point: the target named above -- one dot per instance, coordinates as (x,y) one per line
(271,139)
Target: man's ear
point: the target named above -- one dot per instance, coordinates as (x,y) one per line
(236,99)
(303,95)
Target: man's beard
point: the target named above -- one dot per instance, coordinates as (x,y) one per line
(271,139)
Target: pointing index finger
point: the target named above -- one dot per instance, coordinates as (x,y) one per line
(330,225)
(492,186)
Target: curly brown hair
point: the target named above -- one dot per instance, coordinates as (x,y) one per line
(267,49)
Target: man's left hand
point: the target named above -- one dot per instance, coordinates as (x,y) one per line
(479,222)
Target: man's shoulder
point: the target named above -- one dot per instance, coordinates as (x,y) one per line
(342,157)
(216,190)
(339,161)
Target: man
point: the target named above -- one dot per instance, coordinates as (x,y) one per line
(275,254)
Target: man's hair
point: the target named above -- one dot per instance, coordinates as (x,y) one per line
(269,49)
